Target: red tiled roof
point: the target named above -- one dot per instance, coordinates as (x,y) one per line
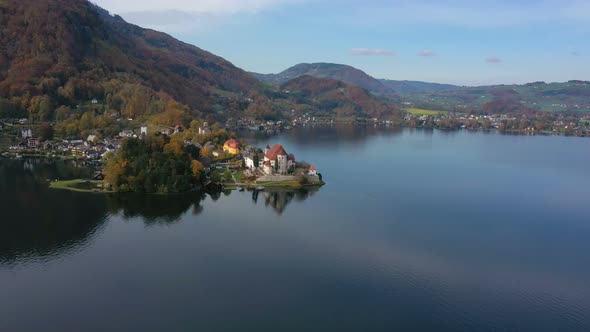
(276,150)
(267,163)
(232,143)
(312,168)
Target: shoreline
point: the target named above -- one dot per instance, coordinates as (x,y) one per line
(74,186)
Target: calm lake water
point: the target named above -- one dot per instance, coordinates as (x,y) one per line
(415,231)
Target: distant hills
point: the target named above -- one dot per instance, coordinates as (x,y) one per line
(330,97)
(354,76)
(414,87)
(568,96)
(339,72)
(572,96)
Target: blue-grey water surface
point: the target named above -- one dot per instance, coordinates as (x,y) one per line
(414,231)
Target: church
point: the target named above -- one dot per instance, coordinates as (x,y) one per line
(277,161)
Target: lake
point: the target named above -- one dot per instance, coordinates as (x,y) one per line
(416,230)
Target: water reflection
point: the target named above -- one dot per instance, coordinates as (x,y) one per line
(38,223)
(328,135)
(155,209)
(42,223)
(279,198)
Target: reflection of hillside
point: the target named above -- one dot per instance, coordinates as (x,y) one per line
(279,198)
(329,135)
(37,222)
(154,209)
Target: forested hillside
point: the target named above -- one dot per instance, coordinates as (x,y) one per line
(62,54)
(329,97)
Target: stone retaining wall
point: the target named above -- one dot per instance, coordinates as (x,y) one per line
(276,178)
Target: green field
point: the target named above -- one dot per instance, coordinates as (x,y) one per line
(420,111)
(76,185)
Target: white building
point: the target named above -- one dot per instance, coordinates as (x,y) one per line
(249,161)
(126,133)
(312,170)
(27,133)
(204,129)
(277,161)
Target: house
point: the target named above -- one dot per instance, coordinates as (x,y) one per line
(94,101)
(250,157)
(204,129)
(232,147)
(47,145)
(32,143)
(126,133)
(144,130)
(276,160)
(26,133)
(178,129)
(312,170)
(92,139)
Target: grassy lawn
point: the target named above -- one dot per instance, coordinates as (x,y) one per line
(288,184)
(420,111)
(239,175)
(78,185)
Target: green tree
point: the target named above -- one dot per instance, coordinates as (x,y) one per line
(45,132)
(227,176)
(256,160)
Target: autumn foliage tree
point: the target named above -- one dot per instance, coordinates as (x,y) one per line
(154,164)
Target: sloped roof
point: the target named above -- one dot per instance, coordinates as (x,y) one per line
(232,143)
(276,150)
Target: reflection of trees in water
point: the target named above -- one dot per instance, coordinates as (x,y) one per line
(279,198)
(329,134)
(155,209)
(41,223)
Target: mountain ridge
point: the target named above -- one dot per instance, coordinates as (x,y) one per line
(354,76)
(71,51)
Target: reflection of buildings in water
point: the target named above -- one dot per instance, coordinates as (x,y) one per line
(28,165)
(279,198)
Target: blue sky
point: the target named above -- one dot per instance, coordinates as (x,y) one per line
(448,41)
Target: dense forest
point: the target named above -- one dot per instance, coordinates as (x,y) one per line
(154,164)
(61,58)
(335,98)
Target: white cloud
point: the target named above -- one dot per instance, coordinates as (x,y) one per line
(369,51)
(426,53)
(493,60)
